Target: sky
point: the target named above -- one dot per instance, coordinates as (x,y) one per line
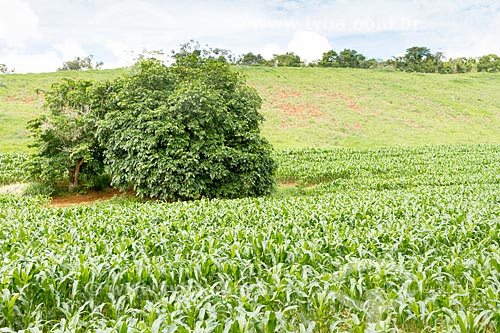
(39,35)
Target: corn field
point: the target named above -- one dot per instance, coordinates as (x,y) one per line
(12,168)
(388,240)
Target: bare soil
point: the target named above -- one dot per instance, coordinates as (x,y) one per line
(68,200)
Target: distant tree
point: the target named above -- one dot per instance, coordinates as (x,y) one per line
(415,58)
(250,59)
(288,59)
(5,70)
(345,59)
(420,59)
(371,63)
(79,63)
(489,63)
(435,63)
(459,66)
(350,59)
(194,48)
(329,59)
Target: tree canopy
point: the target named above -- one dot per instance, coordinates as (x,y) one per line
(186,131)
(250,59)
(346,58)
(65,135)
(288,59)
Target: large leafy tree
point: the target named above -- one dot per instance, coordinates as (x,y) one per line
(65,134)
(186,131)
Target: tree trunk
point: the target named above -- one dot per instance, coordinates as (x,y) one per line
(76,174)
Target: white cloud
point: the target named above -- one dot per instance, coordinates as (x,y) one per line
(70,49)
(473,37)
(18,23)
(269,50)
(309,45)
(112,29)
(122,52)
(31,62)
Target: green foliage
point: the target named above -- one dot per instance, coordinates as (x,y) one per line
(194,48)
(459,66)
(346,59)
(79,63)
(418,59)
(357,258)
(40,189)
(288,59)
(412,110)
(388,168)
(186,132)
(65,135)
(489,63)
(5,70)
(329,59)
(421,59)
(12,168)
(19,102)
(250,59)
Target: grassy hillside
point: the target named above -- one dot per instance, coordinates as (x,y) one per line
(19,102)
(319,107)
(316,107)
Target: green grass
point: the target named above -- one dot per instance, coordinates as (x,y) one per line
(20,103)
(317,107)
(324,108)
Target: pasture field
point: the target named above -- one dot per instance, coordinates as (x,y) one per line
(326,108)
(321,107)
(362,240)
(19,102)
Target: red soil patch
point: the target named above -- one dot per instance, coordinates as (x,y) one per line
(351,104)
(90,197)
(290,110)
(287,93)
(288,184)
(352,127)
(27,99)
(300,112)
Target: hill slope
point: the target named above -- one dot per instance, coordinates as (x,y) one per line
(363,108)
(318,107)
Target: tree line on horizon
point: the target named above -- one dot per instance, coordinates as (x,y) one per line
(418,59)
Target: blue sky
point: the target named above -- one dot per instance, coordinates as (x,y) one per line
(38,35)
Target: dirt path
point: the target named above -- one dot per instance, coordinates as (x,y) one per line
(69,200)
(90,197)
